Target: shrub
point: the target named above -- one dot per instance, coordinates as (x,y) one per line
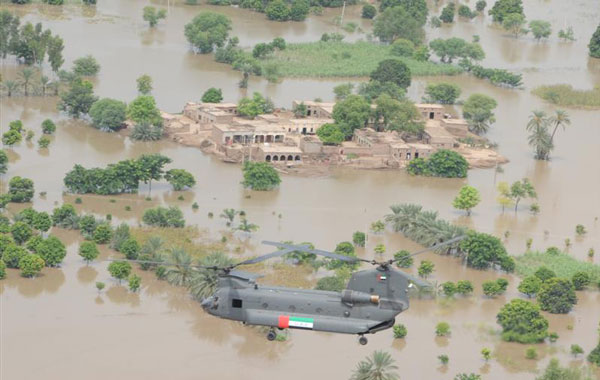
(531,353)
(164,217)
(368,11)
(359,238)
(30,265)
(119,270)
(102,234)
(443,163)
(48,127)
(522,322)
(442,329)
(135,282)
(86,66)
(130,248)
(403,259)
(88,251)
(449,288)
(12,255)
(557,296)
(52,250)
(260,176)
(2,269)
(400,331)
(581,280)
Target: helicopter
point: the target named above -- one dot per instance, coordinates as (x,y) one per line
(369,303)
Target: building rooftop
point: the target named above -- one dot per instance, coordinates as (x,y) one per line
(310,120)
(315,104)
(429,105)
(455,121)
(379,137)
(277,148)
(217,105)
(233,128)
(435,130)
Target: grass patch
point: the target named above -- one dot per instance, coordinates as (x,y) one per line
(188,238)
(343,59)
(562,264)
(566,95)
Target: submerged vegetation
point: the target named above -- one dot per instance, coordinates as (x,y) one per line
(566,95)
(560,263)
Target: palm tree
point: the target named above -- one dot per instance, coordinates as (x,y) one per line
(479,122)
(11,86)
(153,247)
(402,216)
(229,215)
(204,281)
(246,69)
(44,81)
(181,270)
(380,366)
(560,119)
(26,74)
(247,227)
(539,138)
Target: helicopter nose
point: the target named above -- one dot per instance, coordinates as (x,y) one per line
(206,302)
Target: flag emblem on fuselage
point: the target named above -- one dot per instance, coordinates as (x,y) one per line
(381,277)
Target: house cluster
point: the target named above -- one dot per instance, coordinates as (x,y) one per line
(283,138)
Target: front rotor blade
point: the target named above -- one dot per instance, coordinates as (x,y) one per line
(269,256)
(303,248)
(415,280)
(435,246)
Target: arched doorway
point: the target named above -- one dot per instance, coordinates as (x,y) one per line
(298,158)
(268,158)
(290,158)
(275,158)
(282,158)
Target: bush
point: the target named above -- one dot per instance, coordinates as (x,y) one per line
(442,93)
(102,234)
(530,285)
(368,11)
(403,259)
(531,353)
(400,331)
(277,10)
(164,217)
(557,296)
(20,232)
(130,248)
(493,288)
(88,251)
(359,238)
(52,250)
(522,322)
(12,255)
(20,190)
(31,265)
(48,127)
(108,114)
(544,273)
(449,288)
(86,66)
(260,176)
(484,250)
(443,163)
(331,283)
(135,282)
(212,95)
(2,269)
(403,48)
(464,287)
(119,270)
(442,329)
(580,280)
(594,44)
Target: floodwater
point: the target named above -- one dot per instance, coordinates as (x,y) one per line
(73,332)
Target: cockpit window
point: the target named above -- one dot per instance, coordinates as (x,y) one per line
(236,303)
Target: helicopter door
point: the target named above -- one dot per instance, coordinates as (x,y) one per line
(236,306)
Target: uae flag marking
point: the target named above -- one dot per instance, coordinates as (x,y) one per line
(285,321)
(381,277)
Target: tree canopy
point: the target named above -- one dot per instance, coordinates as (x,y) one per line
(557,295)
(20,189)
(164,217)
(108,114)
(483,250)
(594,45)
(351,113)
(143,110)
(522,322)
(212,95)
(260,176)
(180,179)
(467,198)
(502,8)
(78,99)
(207,30)
(442,93)
(330,134)
(443,163)
(394,71)
(395,22)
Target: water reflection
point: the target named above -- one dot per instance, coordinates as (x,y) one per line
(86,274)
(120,295)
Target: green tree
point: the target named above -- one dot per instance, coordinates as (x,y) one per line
(594,45)
(330,134)
(530,285)
(567,34)
(396,22)
(120,235)
(351,113)
(559,119)
(180,179)
(480,5)
(86,66)
(543,273)
(152,15)
(203,282)
(580,280)
(483,250)
(464,287)
(372,89)
(299,10)
(442,93)
(502,8)
(477,110)
(465,12)
(540,29)
(20,189)
(342,91)
(522,322)
(3,162)
(42,222)
(520,190)
(555,372)
(43,142)
(447,15)
(443,163)
(88,251)
(277,10)
(108,114)
(449,288)
(207,30)
(380,366)
(78,99)
(143,110)
(102,234)
(52,250)
(2,269)
(11,138)
(164,217)
(425,268)
(403,259)
(146,132)
(21,232)
(260,176)
(65,216)
(368,11)
(402,48)
(135,282)
(392,70)
(151,167)
(415,8)
(119,270)
(144,84)
(442,329)
(359,238)
(557,296)
(25,76)
(467,198)
(31,265)
(55,49)
(212,95)
(130,248)
(48,127)
(252,107)
(515,24)
(12,255)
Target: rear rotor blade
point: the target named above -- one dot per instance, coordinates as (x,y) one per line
(307,249)
(415,280)
(269,256)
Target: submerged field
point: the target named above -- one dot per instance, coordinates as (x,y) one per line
(562,264)
(344,59)
(566,95)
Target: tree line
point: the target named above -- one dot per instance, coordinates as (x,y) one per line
(125,176)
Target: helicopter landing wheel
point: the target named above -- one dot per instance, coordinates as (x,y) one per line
(271,335)
(362,340)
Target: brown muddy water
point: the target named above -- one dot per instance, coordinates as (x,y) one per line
(72,332)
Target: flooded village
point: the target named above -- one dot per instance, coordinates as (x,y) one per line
(59,323)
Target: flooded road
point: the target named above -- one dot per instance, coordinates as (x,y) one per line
(75,333)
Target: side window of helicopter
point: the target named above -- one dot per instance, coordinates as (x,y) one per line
(236,303)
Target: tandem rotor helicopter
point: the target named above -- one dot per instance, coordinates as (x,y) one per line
(371,301)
